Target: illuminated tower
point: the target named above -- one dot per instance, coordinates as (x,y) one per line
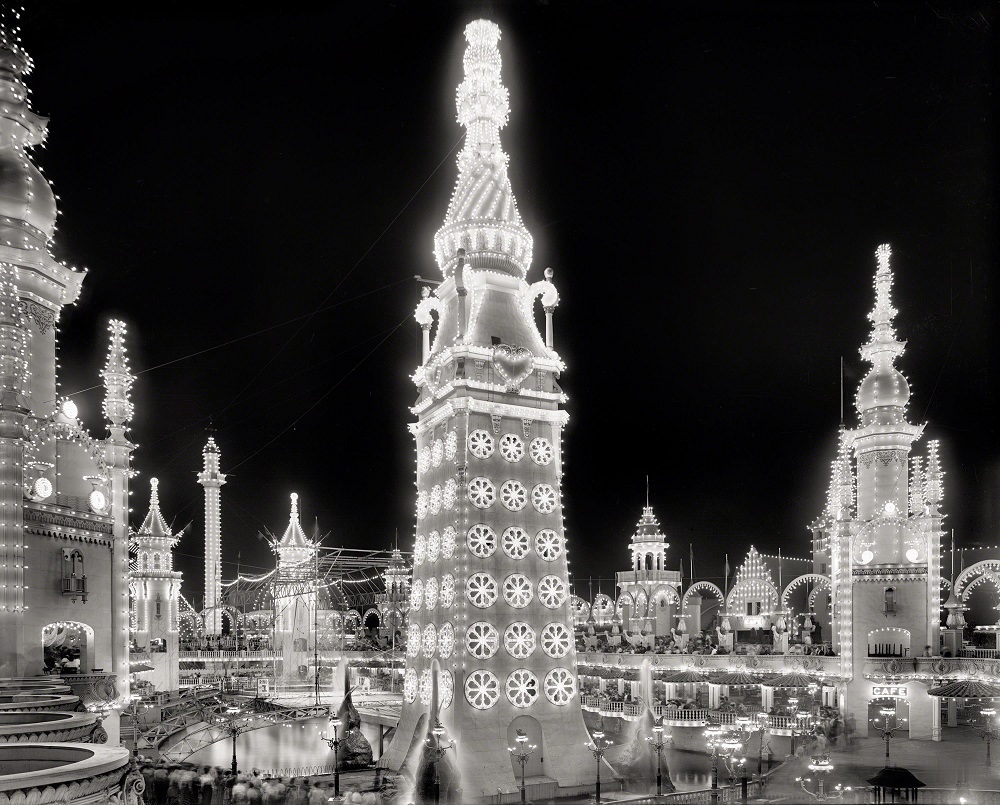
(212,480)
(649,589)
(394,603)
(156,588)
(489,611)
(294,593)
(892,563)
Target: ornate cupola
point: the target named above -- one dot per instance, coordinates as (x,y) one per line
(649,544)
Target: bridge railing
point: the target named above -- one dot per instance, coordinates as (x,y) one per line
(297,771)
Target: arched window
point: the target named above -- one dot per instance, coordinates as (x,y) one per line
(156,561)
(889,601)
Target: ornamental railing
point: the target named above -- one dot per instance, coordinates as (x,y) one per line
(297,771)
(229,655)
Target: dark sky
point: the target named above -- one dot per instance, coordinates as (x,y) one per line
(254,192)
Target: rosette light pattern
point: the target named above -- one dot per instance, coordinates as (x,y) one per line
(482,689)
(522,687)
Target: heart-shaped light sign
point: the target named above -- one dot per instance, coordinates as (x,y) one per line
(513,364)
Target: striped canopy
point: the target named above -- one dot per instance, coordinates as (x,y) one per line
(967,689)
(737,678)
(791,681)
(683,676)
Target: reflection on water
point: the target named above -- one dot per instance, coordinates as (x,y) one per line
(282,746)
(286,746)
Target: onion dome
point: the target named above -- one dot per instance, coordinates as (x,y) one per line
(884,387)
(27,203)
(483,218)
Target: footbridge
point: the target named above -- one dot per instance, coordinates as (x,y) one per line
(197,728)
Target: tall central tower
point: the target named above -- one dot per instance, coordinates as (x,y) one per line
(212,480)
(489,618)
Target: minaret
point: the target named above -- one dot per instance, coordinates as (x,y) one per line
(212,480)
(294,592)
(651,587)
(490,624)
(893,561)
(156,591)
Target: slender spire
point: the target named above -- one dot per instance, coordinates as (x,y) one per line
(884,386)
(933,475)
(294,546)
(118,378)
(483,218)
(916,485)
(154,525)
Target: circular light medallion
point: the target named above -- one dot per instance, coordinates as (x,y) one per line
(42,488)
(98,502)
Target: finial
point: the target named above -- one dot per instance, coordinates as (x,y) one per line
(118,378)
(549,273)
(153,494)
(295,505)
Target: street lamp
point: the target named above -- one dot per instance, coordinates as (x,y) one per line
(762,719)
(718,738)
(657,742)
(987,731)
(230,720)
(334,744)
(134,708)
(887,730)
(801,728)
(598,746)
(821,766)
(437,753)
(521,752)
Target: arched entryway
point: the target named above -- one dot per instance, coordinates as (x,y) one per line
(68,646)
(535,766)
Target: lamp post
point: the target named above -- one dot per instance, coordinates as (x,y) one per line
(801,727)
(134,708)
(598,746)
(521,752)
(988,732)
(334,744)
(229,719)
(437,753)
(821,766)
(657,742)
(719,739)
(762,720)
(888,729)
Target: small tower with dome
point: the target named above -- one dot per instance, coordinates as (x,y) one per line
(649,593)
(156,589)
(294,593)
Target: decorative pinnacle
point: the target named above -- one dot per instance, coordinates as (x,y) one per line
(118,378)
(883,338)
(933,475)
(483,102)
(154,525)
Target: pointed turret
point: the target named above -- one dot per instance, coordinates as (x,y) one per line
(154,524)
(294,547)
(118,379)
(649,541)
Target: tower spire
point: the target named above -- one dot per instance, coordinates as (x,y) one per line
(482,217)
(118,378)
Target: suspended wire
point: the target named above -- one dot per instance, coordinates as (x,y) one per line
(322,397)
(343,279)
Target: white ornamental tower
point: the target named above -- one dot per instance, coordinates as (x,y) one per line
(294,592)
(212,480)
(888,555)
(489,620)
(156,589)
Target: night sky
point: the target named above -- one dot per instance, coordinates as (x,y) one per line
(253,193)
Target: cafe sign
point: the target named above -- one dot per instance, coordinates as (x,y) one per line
(889,691)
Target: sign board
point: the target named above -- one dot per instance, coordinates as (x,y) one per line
(263,688)
(889,691)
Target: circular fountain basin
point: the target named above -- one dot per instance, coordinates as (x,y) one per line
(32,767)
(18,726)
(37,701)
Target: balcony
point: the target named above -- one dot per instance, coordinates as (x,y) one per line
(75,587)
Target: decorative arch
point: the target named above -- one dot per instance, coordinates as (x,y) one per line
(986,576)
(702,585)
(670,592)
(352,618)
(625,599)
(603,607)
(817,578)
(770,591)
(369,613)
(979,569)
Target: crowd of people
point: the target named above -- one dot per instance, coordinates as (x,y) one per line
(187,784)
